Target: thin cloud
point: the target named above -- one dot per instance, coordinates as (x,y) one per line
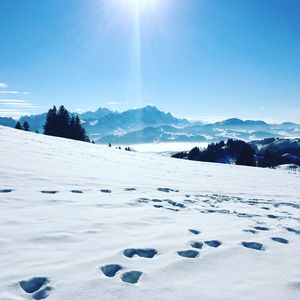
(3,85)
(13,113)
(17,103)
(14,93)
(9,101)
(113,103)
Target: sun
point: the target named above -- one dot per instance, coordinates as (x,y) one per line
(138,5)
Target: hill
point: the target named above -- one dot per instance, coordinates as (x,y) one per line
(83,221)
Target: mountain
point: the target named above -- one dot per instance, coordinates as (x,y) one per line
(247,124)
(36,122)
(9,122)
(151,135)
(149,124)
(82,221)
(132,120)
(98,114)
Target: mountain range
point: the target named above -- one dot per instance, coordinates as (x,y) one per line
(149,124)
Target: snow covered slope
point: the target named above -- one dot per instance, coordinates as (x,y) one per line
(77,219)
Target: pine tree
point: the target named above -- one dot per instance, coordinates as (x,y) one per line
(63,122)
(50,127)
(59,123)
(26,126)
(246,156)
(80,131)
(19,126)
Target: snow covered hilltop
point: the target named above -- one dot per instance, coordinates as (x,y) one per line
(83,221)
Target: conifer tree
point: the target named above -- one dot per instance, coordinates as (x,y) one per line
(246,156)
(26,126)
(59,123)
(18,126)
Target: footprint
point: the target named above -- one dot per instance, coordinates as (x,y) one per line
(273,217)
(188,253)
(129,189)
(197,245)
(131,277)
(158,206)
(5,191)
(42,294)
(49,192)
(213,243)
(111,270)
(172,209)
(106,191)
(176,204)
(194,231)
(167,190)
(290,229)
(280,240)
(34,284)
(156,200)
(262,228)
(250,230)
(145,253)
(76,192)
(254,245)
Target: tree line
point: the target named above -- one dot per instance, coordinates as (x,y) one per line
(239,151)
(24,127)
(60,123)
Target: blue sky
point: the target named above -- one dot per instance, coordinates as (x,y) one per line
(201,59)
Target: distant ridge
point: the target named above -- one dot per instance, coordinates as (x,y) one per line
(149,124)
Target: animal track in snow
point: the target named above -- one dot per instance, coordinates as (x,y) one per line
(273,217)
(105,191)
(34,284)
(194,231)
(131,277)
(176,204)
(42,294)
(49,192)
(156,200)
(6,191)
(167,190)
(145,253)
(213,243)
(129,189)
(254,245)
(197,245)
(158,206)
(250,231)
(262,228)
(111,270)
(280,240)
(188,253)
(290,229)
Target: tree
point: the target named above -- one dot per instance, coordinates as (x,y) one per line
(19,126)
(50,127)
(246,156)
(80,133)
(26,126)
(63,122)
(59,123)
(194,154)
(271,159)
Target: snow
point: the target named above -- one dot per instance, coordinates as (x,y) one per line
(167,147)
(62,240)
